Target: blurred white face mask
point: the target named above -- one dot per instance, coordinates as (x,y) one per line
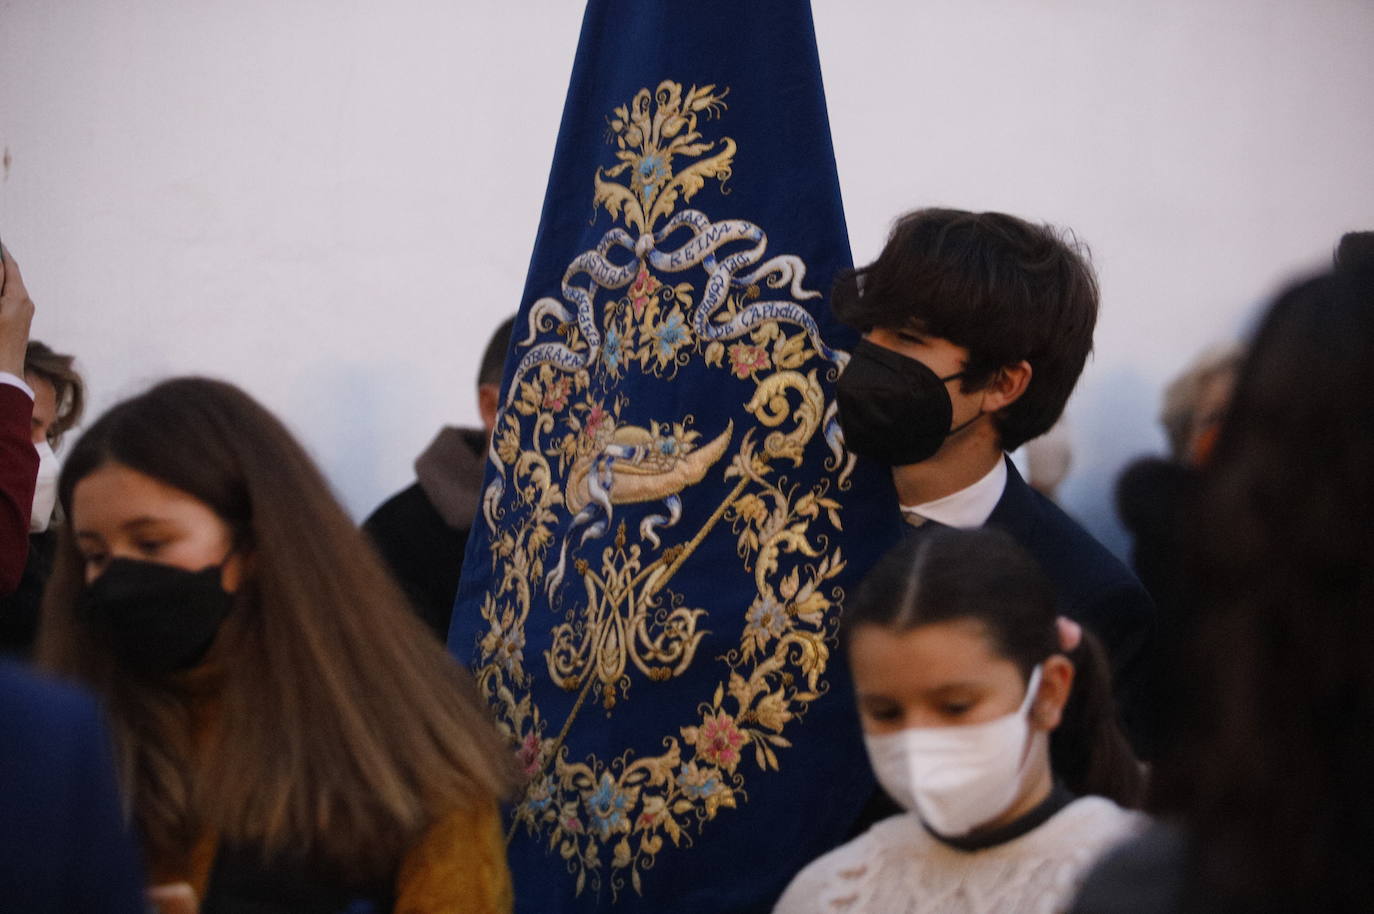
(45,490)
(957,778)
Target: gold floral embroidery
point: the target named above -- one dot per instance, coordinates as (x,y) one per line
(568,457)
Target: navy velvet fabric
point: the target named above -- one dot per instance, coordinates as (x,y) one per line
(670,523)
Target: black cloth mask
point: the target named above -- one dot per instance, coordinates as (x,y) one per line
(894,409)
(159,618)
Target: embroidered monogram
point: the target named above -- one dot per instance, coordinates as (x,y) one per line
(589,506)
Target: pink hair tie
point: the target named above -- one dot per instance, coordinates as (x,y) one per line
(1070,634)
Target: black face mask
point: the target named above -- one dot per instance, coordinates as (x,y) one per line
(159,618)
(894,409)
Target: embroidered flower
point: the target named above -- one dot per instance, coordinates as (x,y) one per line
(651,171)
(719,741)
(596,417)
(607,808)
(765,620)
(745,359)
(529,755)
(540,796)
(642,291)
(510,649)
(654,808)
(505,643)
(698,783)
(705,786)
(556,393)
(613,350)
(670,336)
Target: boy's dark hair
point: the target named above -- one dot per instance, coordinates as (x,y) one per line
(494,356)
(1002,288)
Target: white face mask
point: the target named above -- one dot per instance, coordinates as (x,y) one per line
(45,490)
(956,778)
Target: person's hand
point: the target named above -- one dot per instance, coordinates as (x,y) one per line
(16,314)
(173,898)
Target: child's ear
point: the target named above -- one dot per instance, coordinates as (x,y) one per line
(1056,682)
(1006,386)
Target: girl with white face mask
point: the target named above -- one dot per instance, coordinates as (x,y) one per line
(990,721)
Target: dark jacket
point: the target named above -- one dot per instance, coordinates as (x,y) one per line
(64,847)
(422,531)
(243,884)
(1094,588)
(19,610)
(1152,499)
(1144,875)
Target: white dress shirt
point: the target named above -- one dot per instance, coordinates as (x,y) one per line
(968,508)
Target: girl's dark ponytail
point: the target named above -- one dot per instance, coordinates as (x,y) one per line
(1089,751)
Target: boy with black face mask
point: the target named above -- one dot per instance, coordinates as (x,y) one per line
(976,327)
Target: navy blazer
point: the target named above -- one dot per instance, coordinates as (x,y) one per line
(64,847)
(1094,588)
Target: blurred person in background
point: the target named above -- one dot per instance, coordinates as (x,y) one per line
(1153,492)
(1045,461)
(59,397)
(18,457)
(422,531)
(290,737)
(1266,775)
(64,845)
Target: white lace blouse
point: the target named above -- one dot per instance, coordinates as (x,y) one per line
(896,867)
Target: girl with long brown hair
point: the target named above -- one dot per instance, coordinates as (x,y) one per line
(289,735)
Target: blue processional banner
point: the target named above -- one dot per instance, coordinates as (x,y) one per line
(670,521)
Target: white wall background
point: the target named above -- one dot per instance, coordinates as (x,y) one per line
(332,202)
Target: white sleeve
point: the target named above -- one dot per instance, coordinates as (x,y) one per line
(14,380)
(803,892)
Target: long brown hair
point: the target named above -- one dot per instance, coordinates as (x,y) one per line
(344,728)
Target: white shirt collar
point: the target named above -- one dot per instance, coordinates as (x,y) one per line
(970,506)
